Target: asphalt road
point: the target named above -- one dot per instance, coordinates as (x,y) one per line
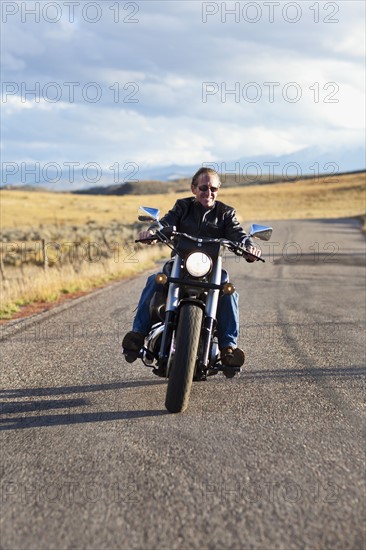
(273,459)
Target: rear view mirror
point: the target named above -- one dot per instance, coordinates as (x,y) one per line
(262,232)
(147,214)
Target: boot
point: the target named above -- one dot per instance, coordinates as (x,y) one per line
(131,345)
(232,357)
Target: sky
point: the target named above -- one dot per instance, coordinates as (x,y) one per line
(112,87)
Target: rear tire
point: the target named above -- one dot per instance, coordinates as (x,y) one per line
(182,371)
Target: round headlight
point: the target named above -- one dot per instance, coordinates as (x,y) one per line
(198,264)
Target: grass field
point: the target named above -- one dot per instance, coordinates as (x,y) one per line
(43,213)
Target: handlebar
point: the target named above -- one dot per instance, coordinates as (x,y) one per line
(237,248)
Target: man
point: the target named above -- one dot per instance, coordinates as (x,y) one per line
(200,216)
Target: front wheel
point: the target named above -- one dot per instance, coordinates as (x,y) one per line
(186,347)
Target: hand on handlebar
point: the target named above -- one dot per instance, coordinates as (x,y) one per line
(143,235)
(254,251)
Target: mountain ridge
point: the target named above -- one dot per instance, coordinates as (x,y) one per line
(310,161)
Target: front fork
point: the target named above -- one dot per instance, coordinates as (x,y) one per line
(170,314)
(209,316)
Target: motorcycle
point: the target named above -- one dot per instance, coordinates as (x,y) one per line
(182,344)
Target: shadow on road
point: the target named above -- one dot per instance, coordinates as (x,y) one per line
(69,418)
(34,406)
(322,258)
(63,390)
(26,406)
(74,418)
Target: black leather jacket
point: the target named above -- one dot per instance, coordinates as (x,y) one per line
(189,216)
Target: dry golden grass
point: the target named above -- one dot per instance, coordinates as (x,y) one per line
(31,209)
(304,199)
(38,285)
(301,200)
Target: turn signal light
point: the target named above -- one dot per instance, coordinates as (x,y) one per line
(161,278)
(229,288)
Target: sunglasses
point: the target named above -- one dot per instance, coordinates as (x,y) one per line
(204,188)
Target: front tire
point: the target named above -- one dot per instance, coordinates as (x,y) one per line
(182,371)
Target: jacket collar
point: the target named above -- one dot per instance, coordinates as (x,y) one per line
(202,208)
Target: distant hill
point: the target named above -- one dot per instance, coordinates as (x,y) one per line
(22,188)
(248,170)
(137,188)
(182,185)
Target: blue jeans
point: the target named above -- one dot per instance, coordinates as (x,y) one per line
(227,315)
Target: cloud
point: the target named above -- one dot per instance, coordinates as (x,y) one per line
(136,91)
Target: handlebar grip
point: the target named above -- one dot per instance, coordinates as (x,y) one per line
(153,238)
(255,257)
(240,251)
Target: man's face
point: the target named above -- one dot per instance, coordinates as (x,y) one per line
(206,190)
